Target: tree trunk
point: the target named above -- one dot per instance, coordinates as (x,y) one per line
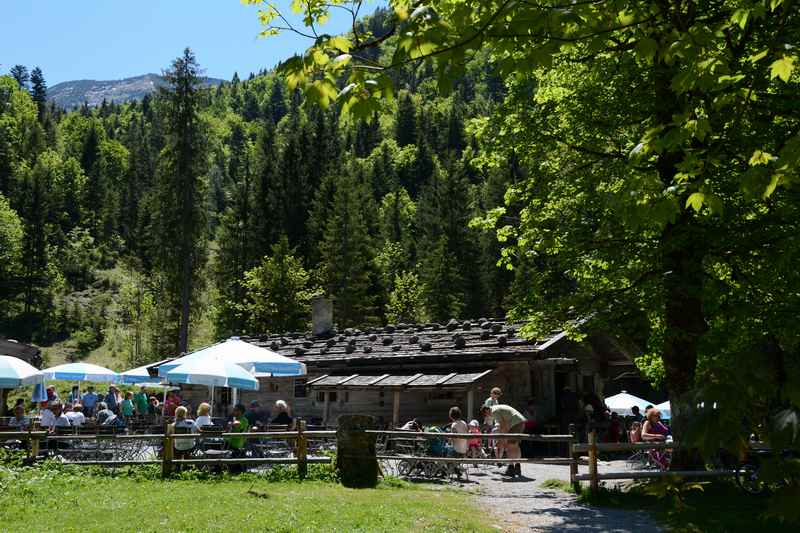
(186,294)
(682,255)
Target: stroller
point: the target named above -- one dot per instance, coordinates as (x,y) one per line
(436,447)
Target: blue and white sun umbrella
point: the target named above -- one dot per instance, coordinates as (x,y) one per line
(249,356)
(81,372)
(213,372)
(15,372)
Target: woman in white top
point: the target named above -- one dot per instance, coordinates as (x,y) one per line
(182,425)
(203,419)
(458,426)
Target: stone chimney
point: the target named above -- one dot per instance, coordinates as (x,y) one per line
(321,315)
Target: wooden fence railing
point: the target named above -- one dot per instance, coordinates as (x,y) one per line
(404,435)
(593,449)
(167,441)
(301,437)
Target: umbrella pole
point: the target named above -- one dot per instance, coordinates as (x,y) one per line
(212,401)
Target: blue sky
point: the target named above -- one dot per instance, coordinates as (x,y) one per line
(112,39)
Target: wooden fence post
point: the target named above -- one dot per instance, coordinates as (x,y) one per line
(166,455)
(594,484)
(33,444)
(573,465)
(302,449)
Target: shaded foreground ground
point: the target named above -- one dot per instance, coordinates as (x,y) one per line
(55,501)
(523,504)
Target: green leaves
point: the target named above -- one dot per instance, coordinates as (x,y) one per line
(646,48)
(697,200)
(782,68)
(740,17)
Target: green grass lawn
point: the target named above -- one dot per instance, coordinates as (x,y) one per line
(41,500)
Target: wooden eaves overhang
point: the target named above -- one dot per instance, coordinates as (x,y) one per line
(451,381)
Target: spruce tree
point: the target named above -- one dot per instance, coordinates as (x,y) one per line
(268,192)
(39,92)
(237,236)
(179,224)
(95,190)
(405,129)
(347,253)
(276,105)
(20,73)
(447,246)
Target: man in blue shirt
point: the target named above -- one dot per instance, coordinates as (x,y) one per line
(89,400)
(111,399)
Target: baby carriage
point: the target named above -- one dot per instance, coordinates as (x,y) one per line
(426,466)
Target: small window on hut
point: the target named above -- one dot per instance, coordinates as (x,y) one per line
(300,388)
(320,396)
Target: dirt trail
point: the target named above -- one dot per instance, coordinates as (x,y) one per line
(523,505)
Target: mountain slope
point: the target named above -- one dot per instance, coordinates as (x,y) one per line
(70,94)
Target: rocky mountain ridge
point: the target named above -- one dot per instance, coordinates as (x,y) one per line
(71,94)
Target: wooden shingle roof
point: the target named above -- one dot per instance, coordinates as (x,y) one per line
(357,381)
(454,342)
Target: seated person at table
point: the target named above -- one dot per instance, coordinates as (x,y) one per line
(105,416)
(182,425)
(254,414)
(635,433)
(203,418)
(58,419)
(282,418)
(653,428)
(457,425)
(19,420)
(75,415)
(239,424)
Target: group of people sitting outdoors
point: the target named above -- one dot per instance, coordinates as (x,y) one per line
(119,409)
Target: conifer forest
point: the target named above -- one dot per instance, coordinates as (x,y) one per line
(254,197)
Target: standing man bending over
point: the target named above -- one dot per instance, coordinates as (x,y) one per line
(510,421)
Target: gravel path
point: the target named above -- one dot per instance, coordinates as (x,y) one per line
(523,505)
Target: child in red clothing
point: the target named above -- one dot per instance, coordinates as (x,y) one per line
(475,449)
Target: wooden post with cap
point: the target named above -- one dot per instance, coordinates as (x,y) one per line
(167,453)
(302,449)
(594,483)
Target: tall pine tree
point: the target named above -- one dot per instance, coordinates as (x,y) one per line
(179,224)
(347,252)
(39,92)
